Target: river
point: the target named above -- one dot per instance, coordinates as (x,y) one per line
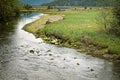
(23,57)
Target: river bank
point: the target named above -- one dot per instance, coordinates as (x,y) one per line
(24,57)
(77,30)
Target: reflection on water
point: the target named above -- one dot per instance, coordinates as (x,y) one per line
(6,28)
(23,57)
(29,15)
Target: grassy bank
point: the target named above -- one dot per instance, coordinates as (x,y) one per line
(38,24)
(80,30)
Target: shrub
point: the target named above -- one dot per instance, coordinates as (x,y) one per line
(85,7)
(50,7)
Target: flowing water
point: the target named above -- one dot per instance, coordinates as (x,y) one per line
(23,57)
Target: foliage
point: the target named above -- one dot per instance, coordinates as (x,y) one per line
(85,7)
(50,7)
(115,27)
(110,23)
(105,18)
(27,6)
(8,8)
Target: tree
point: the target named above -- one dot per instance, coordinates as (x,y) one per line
(8,8)
(50,7)
(104,17)
(115,26)
(27,6)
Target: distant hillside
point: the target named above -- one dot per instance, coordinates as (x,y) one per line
(78,3)
(35,2)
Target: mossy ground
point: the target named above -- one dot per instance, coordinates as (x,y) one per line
(80,30)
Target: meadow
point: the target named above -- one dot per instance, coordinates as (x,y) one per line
(82,30)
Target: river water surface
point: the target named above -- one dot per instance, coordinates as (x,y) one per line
(23,57)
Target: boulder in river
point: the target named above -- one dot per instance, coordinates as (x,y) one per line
(31,51)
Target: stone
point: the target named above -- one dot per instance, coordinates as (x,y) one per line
(78,64)
(31,51)
(91,69)
(49,50)
(52,59)
(50,54)
(75,57)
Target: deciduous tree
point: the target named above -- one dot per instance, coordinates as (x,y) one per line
(8,8)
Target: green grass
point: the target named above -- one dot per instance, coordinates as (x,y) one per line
(79,26)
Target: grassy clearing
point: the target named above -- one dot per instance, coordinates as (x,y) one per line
(79,29)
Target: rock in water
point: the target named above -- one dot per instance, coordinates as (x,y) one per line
(31,51)
(91,69)
(78,64)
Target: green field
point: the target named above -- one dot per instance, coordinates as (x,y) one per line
(82,30)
